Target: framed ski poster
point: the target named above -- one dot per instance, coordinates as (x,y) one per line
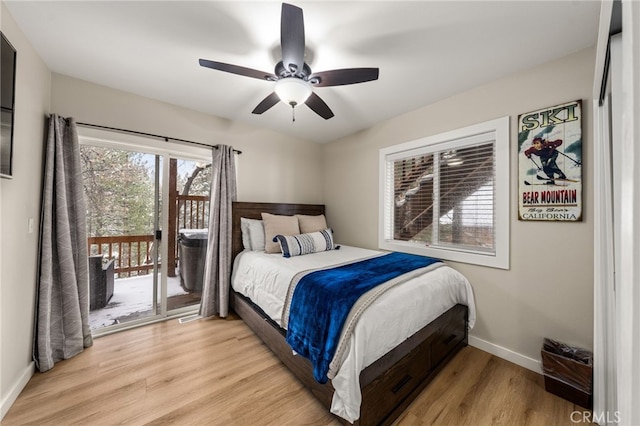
(550,163)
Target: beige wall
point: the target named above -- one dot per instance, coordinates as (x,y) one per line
(19,201)
(549,289)
(272,167)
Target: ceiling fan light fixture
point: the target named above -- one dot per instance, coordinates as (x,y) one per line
(293,76)
(292,90)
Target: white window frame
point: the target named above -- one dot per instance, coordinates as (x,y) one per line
(499,128)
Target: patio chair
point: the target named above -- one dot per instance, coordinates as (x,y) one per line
(101,280)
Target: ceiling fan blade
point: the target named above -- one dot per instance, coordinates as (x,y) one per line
(319,106)
(292,37)
(344,76)
(266,103)
(235,69)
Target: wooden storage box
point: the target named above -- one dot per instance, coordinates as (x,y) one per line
(568,372)
(568,392)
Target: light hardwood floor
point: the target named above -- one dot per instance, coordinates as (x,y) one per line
(217,372)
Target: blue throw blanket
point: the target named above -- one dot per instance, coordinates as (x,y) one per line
(322,300)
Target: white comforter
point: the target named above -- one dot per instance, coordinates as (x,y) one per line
(392,318)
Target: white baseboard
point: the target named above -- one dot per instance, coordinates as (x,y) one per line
(10,398)
(507,354)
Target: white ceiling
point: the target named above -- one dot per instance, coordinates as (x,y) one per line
(426,51)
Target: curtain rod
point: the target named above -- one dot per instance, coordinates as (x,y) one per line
(166,138)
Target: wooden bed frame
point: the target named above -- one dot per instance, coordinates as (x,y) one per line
(388,385)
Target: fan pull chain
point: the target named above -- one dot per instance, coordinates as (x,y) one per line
(293,112)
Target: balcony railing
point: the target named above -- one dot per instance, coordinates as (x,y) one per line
(193,211)
(133,254)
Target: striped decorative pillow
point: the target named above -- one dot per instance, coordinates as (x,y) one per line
(297,245)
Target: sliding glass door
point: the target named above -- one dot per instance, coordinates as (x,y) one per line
(147,219)
(187,231)
(123,198)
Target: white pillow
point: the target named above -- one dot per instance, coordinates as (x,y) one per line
(252,234)
(297,245)
(244,228)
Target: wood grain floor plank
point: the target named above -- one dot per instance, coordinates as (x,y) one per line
(217,372)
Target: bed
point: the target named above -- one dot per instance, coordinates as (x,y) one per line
(387,384)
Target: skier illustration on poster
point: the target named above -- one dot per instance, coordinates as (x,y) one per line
(550,163)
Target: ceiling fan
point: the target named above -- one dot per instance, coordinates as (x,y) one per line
(293,76)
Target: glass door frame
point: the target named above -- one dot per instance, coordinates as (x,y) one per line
(164,152)
(178,155)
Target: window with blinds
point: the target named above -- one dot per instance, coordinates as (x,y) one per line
(442,196)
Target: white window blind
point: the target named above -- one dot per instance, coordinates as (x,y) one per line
(443,195)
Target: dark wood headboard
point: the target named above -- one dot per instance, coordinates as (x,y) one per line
(254,210)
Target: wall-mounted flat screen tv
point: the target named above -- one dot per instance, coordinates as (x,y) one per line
(7,93)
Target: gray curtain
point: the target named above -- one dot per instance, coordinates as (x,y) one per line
(217,272)
(62,311)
